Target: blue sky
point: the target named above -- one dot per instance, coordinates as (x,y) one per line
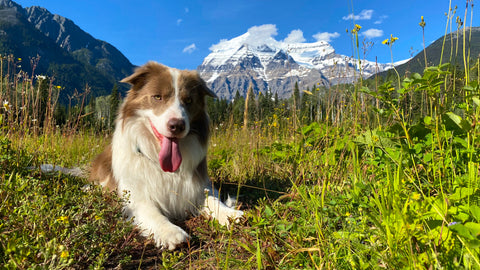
(180,33)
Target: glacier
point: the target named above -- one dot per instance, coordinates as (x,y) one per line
(266,64)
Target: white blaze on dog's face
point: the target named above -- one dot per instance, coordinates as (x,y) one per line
(173,103)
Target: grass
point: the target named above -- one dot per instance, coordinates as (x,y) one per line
(317,197)
(392,185)
(43,216)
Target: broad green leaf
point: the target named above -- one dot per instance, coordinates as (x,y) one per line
(473,227)
(427,157)
(461,230)
(476,101)
(461,193)
(416,76)
(402,90)
(455,118)
(461,216)
(468,88)
(427,120)
(475,210)
(461,141)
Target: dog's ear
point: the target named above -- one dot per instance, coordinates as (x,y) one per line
(205,88)
(209,92)
(139,77)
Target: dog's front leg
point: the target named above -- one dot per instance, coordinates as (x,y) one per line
(218,210)
(213,206)
(149,219)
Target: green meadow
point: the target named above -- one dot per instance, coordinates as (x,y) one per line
(380,174)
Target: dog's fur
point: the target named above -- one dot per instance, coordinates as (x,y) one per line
(165,106)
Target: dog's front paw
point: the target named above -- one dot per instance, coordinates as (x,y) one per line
(229,215)
(169,237)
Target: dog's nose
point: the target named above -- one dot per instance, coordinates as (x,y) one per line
(176,126)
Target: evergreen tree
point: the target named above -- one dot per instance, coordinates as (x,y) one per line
(307,107)
(265,105)
(238,108)
(224,110)
(90,117)
(43,85)
(210,104)
(276,102)
(114,103)
(260,107)
(60,115)
(218,110)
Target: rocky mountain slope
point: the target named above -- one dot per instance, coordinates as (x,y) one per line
(452,50)
(67,53)
(80,44)
(275,66)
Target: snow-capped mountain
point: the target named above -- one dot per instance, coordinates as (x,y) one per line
(267,64)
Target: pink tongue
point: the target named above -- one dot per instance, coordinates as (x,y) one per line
(170,157)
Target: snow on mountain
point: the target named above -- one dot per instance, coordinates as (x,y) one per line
(256,59)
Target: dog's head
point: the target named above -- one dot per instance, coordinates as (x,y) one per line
(173,103)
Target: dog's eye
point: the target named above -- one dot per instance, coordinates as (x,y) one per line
(157,97)
(188,100)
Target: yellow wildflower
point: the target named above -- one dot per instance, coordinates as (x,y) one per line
(64,254)
(6,105)
(64,219)
(356,28)
(390,41)
(422,22)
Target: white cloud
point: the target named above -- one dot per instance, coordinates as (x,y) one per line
(256,35)
(265,35)
(261,34)
(372,33)
(219,44)
(325,36)
(179,21)
(380,20)
(365,14)
(296,36)
(190,48)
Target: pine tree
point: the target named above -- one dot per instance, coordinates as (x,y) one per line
(276,101)
(90,118)
(265,105)
(296,96)
(307,106)
(218,110)
(114,103)
(60,115)
(43,85)
(238,108)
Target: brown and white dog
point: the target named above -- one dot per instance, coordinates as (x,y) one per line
(158,154)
